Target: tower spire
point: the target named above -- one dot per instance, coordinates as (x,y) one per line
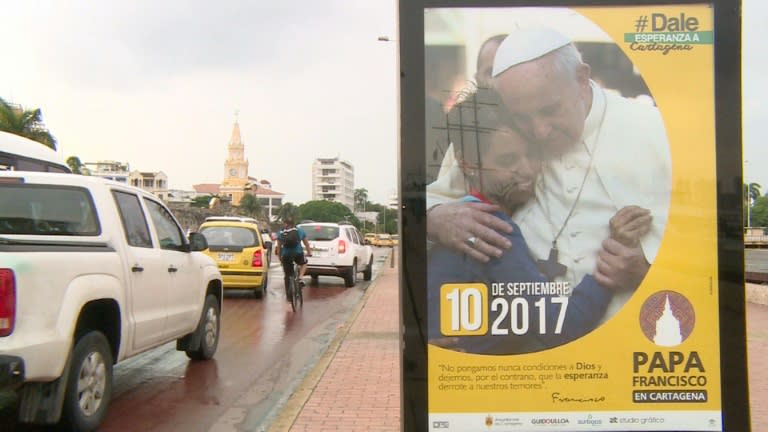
(236,140)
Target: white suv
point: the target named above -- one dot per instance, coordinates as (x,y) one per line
(337,250)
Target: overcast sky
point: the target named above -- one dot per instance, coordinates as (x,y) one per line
(157,84)
(755,91)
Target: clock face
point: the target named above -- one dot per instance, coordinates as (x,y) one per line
(233,172)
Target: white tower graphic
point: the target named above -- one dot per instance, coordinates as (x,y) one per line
(668,328)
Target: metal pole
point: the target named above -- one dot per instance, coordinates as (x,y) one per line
(749,197)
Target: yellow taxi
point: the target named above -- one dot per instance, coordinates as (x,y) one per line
(236,244)
(383,240)
(369,238)
(395,239)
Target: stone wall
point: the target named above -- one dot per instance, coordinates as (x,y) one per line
(191,217)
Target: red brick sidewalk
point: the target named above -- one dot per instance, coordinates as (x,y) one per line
(757,346)
(356,385)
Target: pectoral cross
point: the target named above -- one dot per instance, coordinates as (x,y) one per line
(550,267)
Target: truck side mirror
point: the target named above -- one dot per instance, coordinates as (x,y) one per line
(197,242)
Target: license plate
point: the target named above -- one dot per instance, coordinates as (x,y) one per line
(226,257)
(319,253)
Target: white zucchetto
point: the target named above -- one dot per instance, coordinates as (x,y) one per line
(526,44)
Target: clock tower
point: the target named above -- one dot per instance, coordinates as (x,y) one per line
(235,168)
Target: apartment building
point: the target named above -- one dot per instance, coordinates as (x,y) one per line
(333,180)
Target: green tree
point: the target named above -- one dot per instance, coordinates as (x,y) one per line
(760,212)
(26,123)
(361,198)
(327,211)
(76,166)
(287,210)
(251,206)
(201,201)
(387,219)
(750,196)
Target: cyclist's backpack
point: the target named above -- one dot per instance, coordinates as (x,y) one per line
(291,237)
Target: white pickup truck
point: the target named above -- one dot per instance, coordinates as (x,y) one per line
(93,272)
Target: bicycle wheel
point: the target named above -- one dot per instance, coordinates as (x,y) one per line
(294,293)
(300,291)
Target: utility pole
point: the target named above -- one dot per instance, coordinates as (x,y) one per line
(749,198)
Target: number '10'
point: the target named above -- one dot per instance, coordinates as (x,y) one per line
(466,309)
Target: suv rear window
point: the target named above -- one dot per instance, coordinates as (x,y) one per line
(47,210)
(222,236)
(320,232)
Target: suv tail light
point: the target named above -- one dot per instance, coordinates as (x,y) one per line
(256,261)
(7,302)
(342,247)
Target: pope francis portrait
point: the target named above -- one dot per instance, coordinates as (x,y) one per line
(601,152)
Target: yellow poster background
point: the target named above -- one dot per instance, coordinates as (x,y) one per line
(682,84)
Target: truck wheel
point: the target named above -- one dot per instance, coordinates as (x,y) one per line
(350,278)
(89,385)
(207,331)
(368,272)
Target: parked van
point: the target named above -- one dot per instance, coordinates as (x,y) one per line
(22,154)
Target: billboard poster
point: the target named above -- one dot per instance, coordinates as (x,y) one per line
(572,219)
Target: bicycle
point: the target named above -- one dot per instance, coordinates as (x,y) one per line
(294,287)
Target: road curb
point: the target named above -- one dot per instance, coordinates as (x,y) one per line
(293,406)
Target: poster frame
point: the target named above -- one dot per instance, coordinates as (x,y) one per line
(729,180)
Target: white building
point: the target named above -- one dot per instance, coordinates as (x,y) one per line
(153,182)
(270,199)
(393,202)
(108,169)
(181,196)
(333,180)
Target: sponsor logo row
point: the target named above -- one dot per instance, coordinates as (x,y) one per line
(605,421)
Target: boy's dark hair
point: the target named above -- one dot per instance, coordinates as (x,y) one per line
(472,121)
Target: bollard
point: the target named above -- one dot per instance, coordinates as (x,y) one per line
(392,259)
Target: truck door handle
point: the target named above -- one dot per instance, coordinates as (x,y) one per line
(137,268)
(172,269)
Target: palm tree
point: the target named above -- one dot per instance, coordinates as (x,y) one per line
(251,206)
(361,197)
(287,210)
(76,166)
(26,123)
(751,194)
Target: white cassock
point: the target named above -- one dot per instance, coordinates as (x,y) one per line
(630,166)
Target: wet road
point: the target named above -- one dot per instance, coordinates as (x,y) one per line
(264,351)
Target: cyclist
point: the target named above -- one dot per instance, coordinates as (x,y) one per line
(289,249)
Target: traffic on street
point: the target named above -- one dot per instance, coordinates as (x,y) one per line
(264,351)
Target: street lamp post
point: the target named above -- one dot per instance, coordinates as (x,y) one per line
(749,197)
(385,38)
